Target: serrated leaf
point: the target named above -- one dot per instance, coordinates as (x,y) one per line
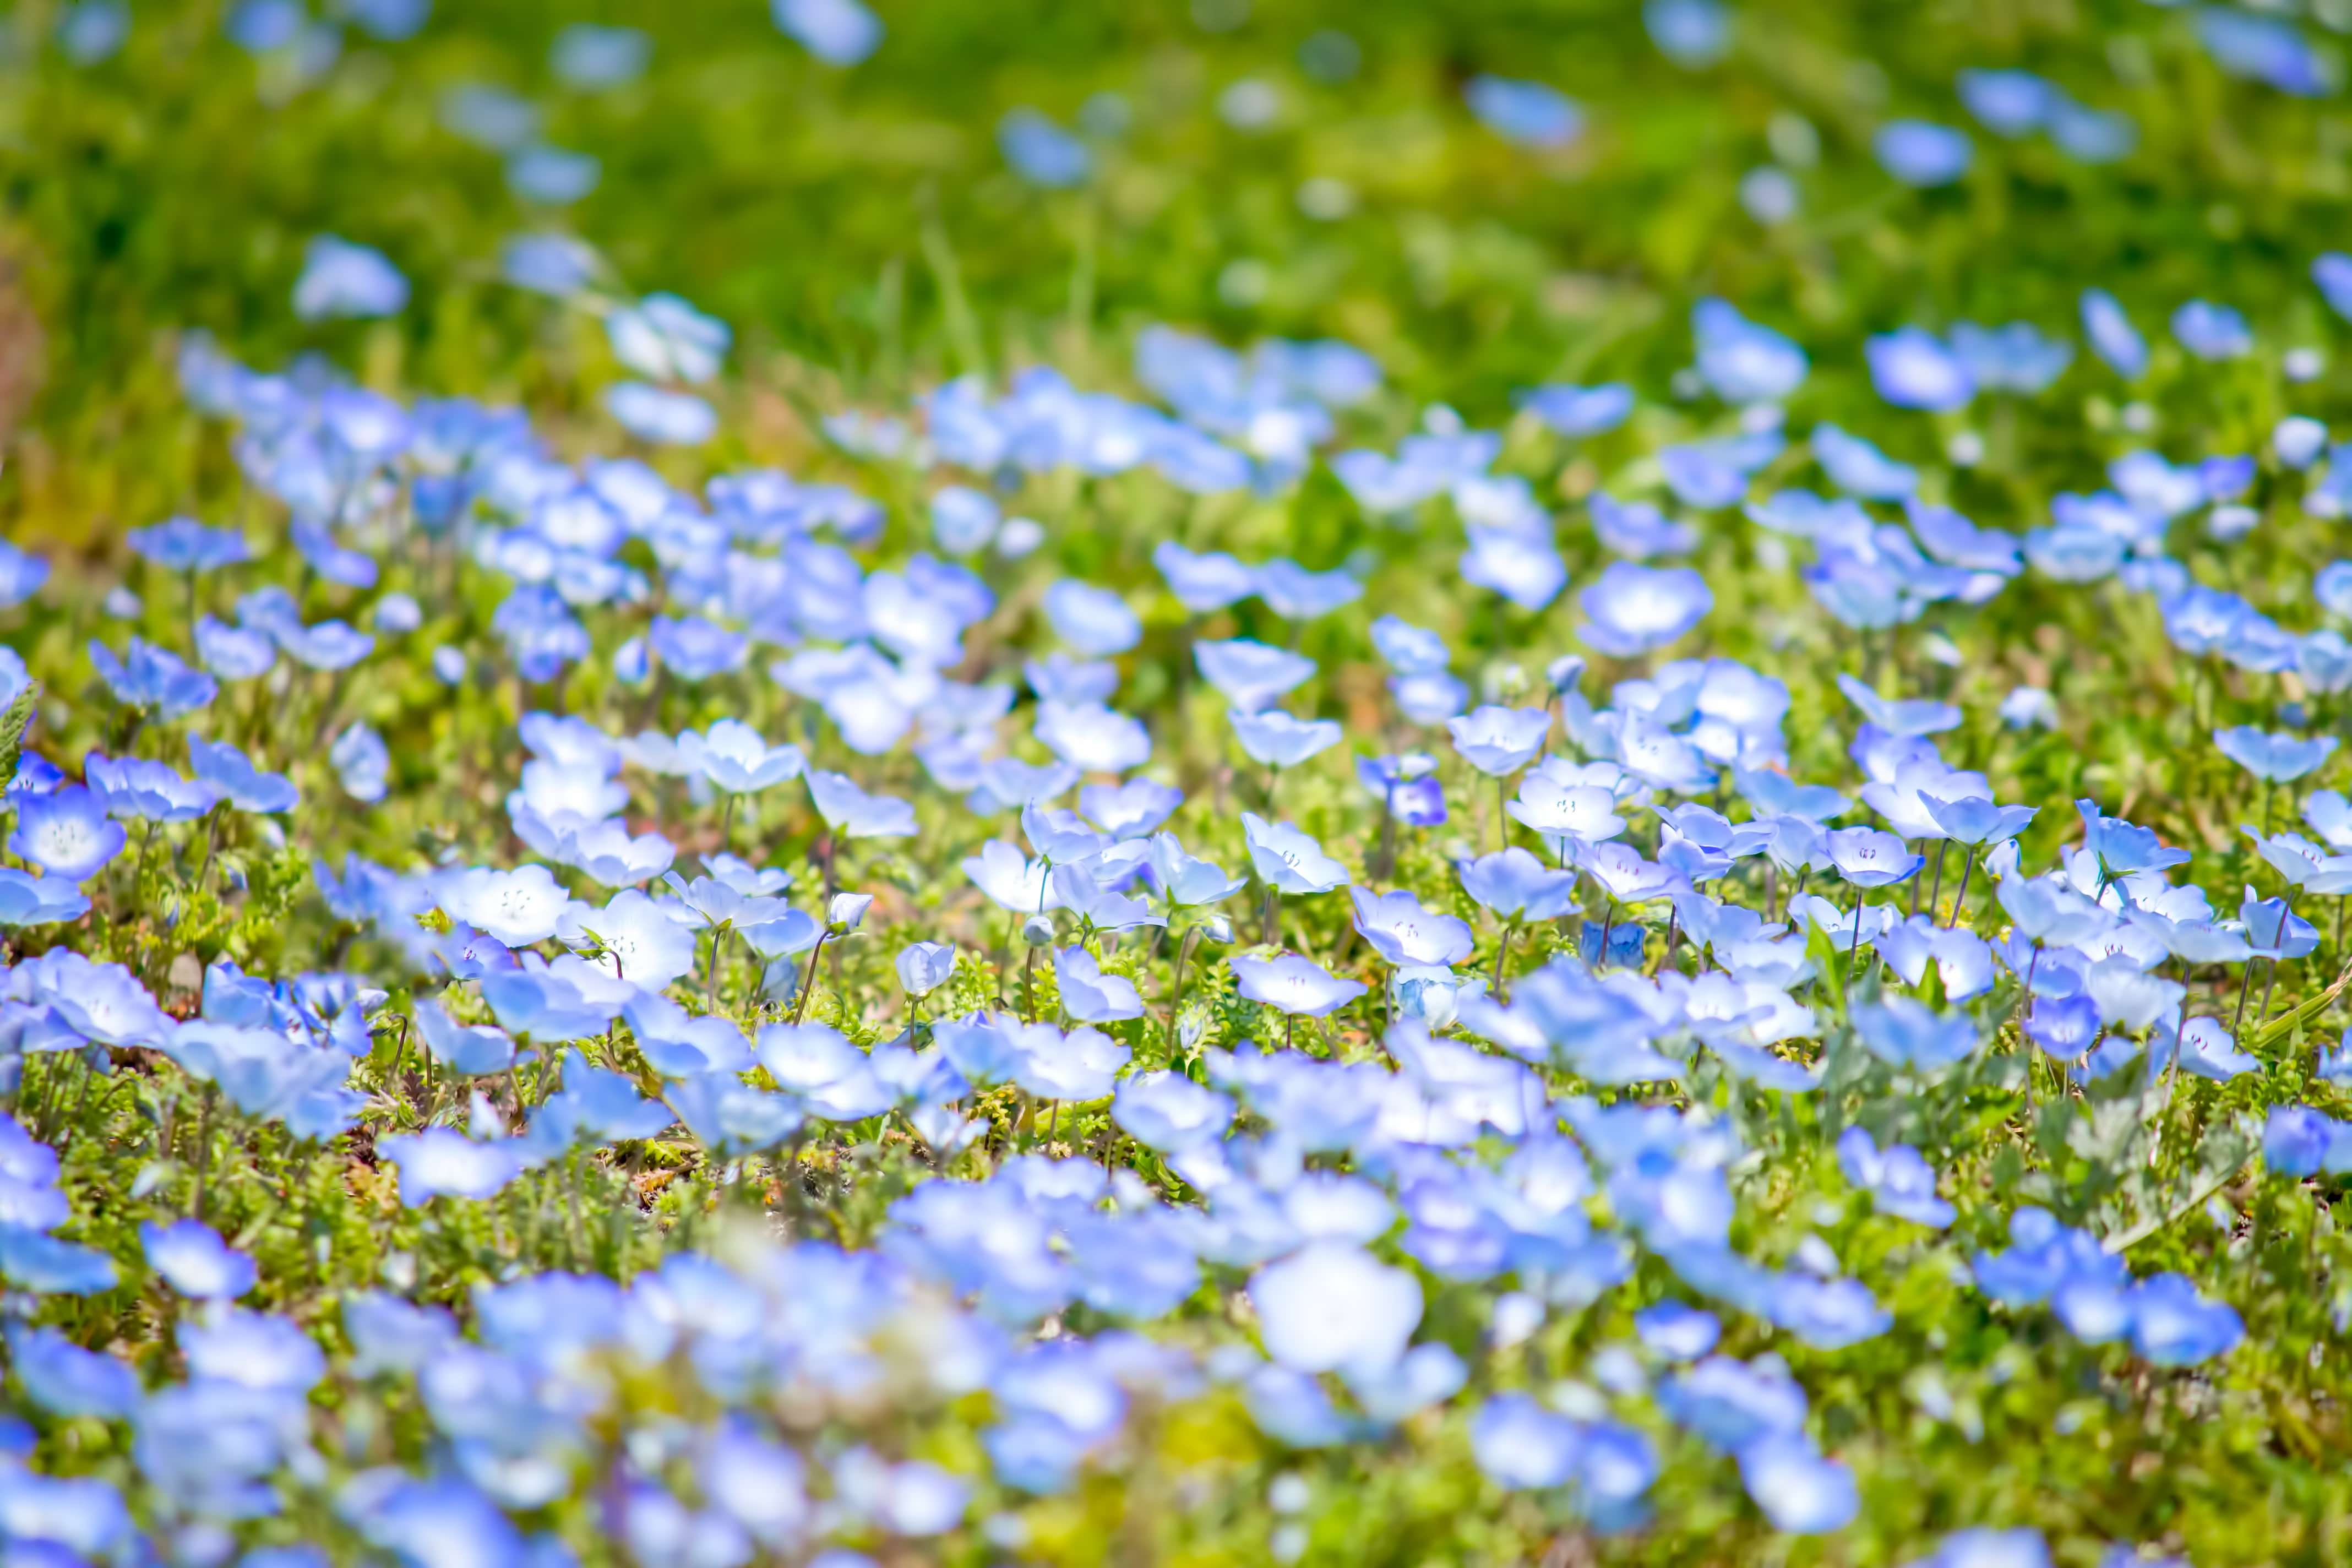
(13,725)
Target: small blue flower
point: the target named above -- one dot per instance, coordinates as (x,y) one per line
(1041,151)
(184,544)
(1922,155)
(342,279)
(1634,609)
(239,781)
(2212,331)
(194,1261)
(2113,337)
(2274,756)
(657,414)
(1912,368)
(66,833)
(1527,112)
(839,32)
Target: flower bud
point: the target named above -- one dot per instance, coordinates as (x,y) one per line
(1037,930)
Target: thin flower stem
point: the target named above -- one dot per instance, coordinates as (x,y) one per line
(1960,898)
(1176,988)
(808,981)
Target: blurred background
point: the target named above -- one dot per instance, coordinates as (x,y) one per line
(872,223)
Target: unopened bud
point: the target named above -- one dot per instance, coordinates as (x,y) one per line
(1037,930)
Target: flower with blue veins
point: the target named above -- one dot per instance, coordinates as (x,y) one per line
(67,833)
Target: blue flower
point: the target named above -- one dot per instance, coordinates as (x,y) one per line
(1500,741)
(1095,621)
(694,650)
(1905,1033)
(552,176)
(2014,358)
(1331,1306)
(1637,530)
(1203,582)
(66,1380)
(1912,368)
(184,544)
(363,761)
(1634,609)
(1527,112)
(331,560)
(1169,1112)
(151,678)
(1868,857)
(1859,468)
(1518,563)
(1251,674)
(1743,361)
(22,574)
(1041,151)
(1797,1489)
(1922,155)
(556,265)
(839,32)
(194,1261)
(665,339)
(594,57)
(46,1266)
(1398,928)
(1522,1447)
(1276,739)
(1296,593)
(1691,33)
(27,901)
(339,279)
(66,833)
(855,813)
(2263,49)
(2006,102)
(1296,985)
(1516,885)
(239,781)
(657,414)
(1898,1178)
(91,31)
(2274,756)
(1580,411)
(1128,810)
(2113,336)
(2212,332)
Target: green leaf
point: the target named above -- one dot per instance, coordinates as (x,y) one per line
(13,725)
